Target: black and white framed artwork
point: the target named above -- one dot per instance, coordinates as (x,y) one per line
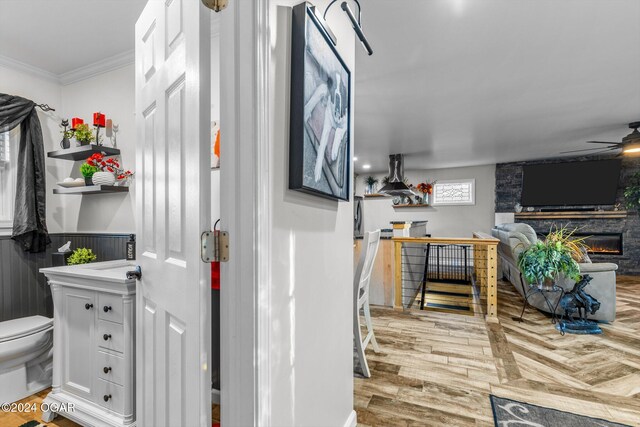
(319,153)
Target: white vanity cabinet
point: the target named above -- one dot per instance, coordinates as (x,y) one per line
(93,344)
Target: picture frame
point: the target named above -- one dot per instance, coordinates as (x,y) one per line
(320,110)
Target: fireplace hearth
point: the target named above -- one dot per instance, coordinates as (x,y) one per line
(602,243)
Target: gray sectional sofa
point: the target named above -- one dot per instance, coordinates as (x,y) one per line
(515,237)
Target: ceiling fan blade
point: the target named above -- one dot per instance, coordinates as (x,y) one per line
(576,151)
(603,142)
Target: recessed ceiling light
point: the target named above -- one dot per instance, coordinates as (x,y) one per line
(366,166)
(355,159)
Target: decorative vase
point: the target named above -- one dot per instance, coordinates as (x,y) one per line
(371,189)
(103,178)
(87,181)
(426,198)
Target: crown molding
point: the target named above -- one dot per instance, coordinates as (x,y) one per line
(16,65)
(99,67)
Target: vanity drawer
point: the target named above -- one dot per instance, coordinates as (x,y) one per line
(110,307)
(110,396)
(110,336)
(111,367)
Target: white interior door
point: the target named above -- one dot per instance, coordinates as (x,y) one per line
(173,317)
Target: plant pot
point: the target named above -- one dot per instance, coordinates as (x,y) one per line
(87,180)
(103,178)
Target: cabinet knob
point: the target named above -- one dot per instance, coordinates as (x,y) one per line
(106,308)
(106,369)
(88,306)
(106,337)
(106,397)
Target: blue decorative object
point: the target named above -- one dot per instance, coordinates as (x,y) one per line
(580,302)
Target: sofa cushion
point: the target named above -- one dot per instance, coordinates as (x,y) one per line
(518,227)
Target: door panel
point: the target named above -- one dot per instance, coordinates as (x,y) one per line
(172,111)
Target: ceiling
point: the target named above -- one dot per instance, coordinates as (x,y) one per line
(59,36)
(467,82)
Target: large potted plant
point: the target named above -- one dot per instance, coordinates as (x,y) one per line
(542,262)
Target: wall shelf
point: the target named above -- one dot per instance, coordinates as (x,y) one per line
(92,189)
(415,205)
(82,152)
(572,215)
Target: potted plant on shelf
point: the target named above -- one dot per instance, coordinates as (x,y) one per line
(426,188)
(83,134)
(371,184)
(632,192)
(542,262)
(81,256)
(87,172)
(105,171)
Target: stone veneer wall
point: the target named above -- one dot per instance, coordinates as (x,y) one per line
(509,190)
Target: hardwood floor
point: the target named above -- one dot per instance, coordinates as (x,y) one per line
(438,369)
(15,419)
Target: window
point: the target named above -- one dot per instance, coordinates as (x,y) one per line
(455,192)
(7,179)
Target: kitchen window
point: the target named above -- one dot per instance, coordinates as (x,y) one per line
(8,167)
(454,192)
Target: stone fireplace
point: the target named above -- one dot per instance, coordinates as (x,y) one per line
(612,238)
(603,243)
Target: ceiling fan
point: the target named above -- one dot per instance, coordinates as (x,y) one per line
(630,144)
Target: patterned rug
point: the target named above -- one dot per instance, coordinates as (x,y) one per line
(33,424)
(508,413)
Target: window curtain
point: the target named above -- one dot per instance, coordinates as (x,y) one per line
(29,220)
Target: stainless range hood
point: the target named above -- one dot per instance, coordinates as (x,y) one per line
(396,185)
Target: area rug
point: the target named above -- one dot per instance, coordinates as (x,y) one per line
(508,413)
(33,424)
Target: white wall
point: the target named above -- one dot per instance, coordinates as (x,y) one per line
(113,94)
(444,221)
(312,271)
(41,91)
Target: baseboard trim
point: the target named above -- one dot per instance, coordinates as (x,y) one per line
(352,421)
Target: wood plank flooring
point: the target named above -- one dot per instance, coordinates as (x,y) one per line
(438,369)
(15,419)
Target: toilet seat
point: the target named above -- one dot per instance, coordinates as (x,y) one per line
(18,328)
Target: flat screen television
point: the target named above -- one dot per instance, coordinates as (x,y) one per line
(571,183)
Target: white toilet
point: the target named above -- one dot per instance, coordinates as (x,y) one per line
(26,350)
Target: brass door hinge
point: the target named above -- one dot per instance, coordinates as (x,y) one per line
(214,246)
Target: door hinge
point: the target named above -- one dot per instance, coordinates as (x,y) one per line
(214,246)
